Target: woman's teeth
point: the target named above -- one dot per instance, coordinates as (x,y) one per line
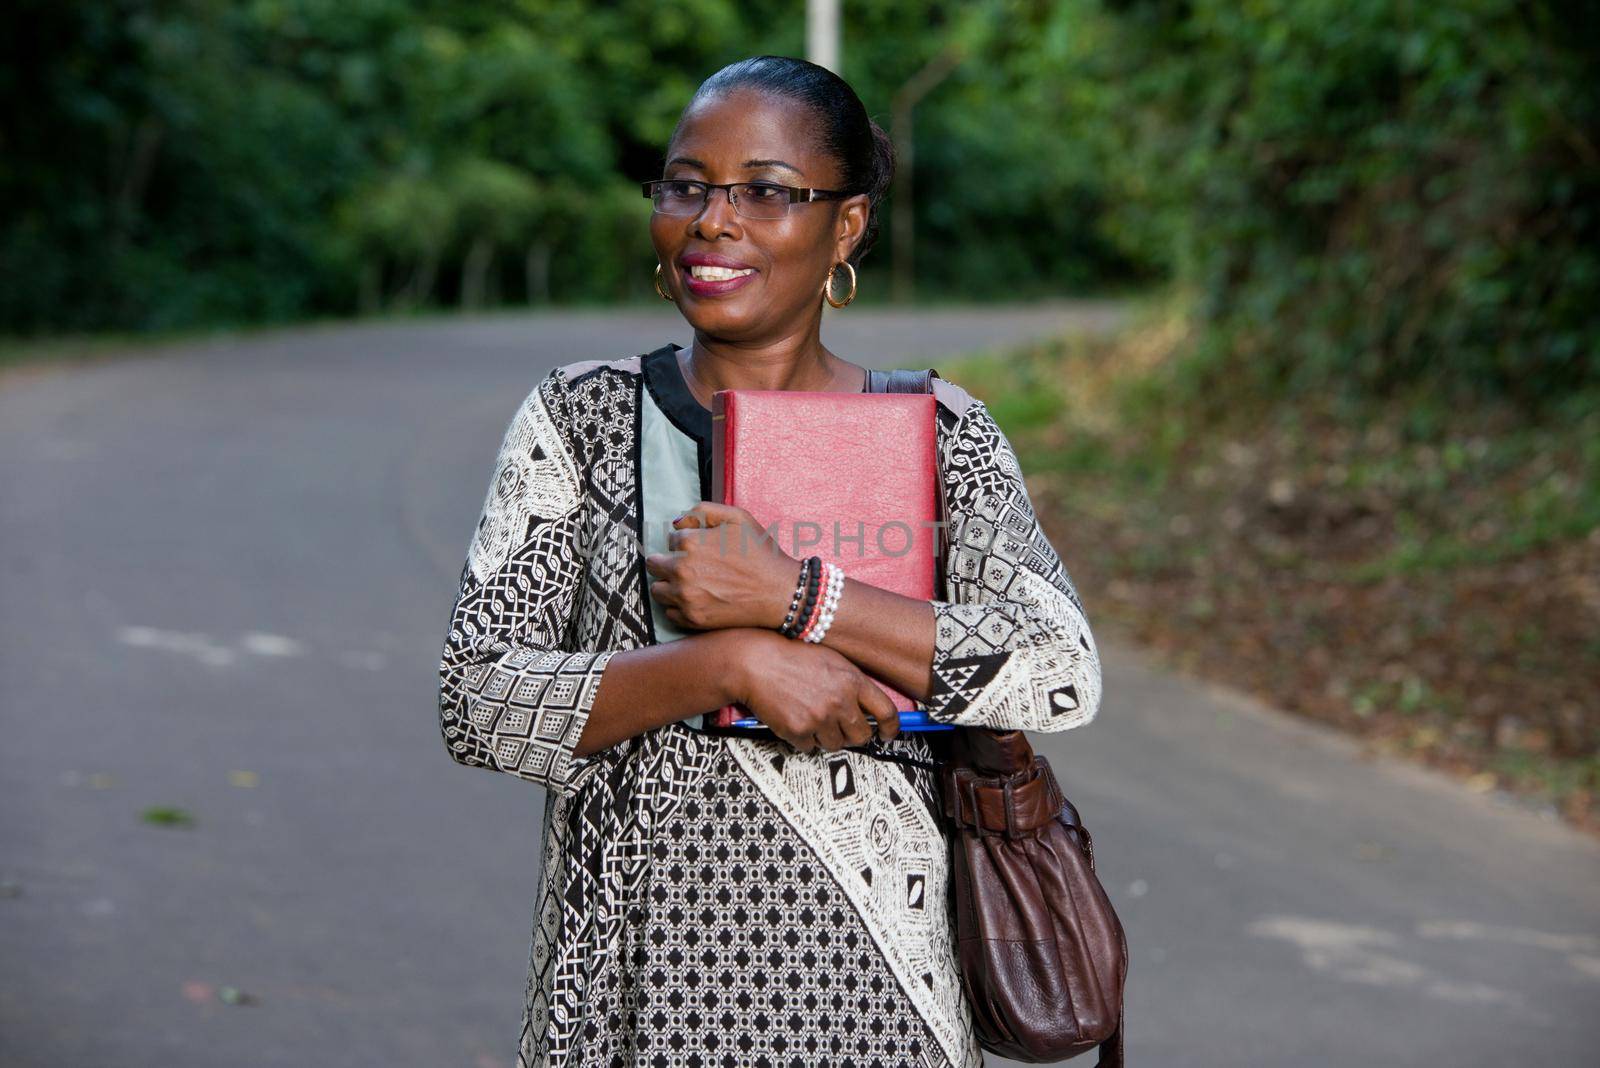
(716,274)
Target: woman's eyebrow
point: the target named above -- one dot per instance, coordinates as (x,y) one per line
(749,163)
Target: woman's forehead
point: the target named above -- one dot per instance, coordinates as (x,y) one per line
(747,131)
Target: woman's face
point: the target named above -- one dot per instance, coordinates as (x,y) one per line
(789,257)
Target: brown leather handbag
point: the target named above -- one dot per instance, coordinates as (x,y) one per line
(1043,956)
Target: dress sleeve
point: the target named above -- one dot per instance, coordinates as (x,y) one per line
(513,694)
(1012,646)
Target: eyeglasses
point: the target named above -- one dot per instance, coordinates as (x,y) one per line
(753,200)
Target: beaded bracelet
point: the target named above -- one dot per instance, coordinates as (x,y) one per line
(833,605)
(799,594)
(813,606)
(808,574)
(817,625)
(830,603)
(813,600)
(805,597)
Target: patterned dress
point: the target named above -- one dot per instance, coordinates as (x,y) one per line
(711,901)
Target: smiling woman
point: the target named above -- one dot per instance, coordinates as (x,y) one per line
(711,900)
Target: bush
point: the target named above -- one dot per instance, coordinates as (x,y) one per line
(1360,194)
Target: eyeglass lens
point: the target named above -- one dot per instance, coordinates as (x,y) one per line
(753,200)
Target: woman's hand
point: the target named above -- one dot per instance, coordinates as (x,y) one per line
(723,570)
(810,695)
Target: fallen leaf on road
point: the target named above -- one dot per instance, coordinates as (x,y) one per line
(167,817)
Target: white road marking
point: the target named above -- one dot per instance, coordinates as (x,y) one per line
(208,649)
(1344,950)
(214,652)
(1464,930)
(200,646)
(1586,966)
(1360,954)
(270,645)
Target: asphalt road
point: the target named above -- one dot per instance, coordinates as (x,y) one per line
(225,573)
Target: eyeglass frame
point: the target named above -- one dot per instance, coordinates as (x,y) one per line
(797,195)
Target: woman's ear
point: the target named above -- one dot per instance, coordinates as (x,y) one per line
(851,225)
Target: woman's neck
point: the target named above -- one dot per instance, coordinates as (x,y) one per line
(708,368)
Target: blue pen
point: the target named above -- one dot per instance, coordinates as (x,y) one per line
(911,719)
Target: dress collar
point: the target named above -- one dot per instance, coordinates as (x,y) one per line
(664,378)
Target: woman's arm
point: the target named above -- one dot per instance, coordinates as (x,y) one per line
(512,696)
(809,696)
(886,634)
(721,571)
(654,685)
(515,697)
(1011,648)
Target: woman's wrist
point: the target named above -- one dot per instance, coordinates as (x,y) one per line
(736,649)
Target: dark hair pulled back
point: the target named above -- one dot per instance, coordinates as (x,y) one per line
(864,153)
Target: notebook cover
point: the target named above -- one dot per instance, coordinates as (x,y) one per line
(806,464)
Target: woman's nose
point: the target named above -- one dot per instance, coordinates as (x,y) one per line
(717,215)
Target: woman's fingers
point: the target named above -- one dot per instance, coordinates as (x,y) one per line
(831,736)
(814,698)
(725,539)
(715,513)
(878,705)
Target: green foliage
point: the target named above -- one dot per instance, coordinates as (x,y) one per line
(1356,195)
(1359,194)
(204,161)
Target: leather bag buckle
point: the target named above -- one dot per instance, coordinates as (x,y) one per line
(1011,810)
(971,783)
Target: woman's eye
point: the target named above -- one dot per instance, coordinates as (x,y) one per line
(765,192)
(682,188)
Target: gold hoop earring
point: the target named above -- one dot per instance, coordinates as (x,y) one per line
(827,286)
(664,296)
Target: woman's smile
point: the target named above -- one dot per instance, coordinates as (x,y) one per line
(707,274)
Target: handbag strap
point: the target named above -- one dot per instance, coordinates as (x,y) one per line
(901,380)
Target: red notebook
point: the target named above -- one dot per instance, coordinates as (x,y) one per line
(809,465)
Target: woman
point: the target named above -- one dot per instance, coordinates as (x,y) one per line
(708,900)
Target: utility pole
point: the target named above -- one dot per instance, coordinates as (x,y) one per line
(822,33)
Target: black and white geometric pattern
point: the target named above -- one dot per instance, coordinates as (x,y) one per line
(872,826)
(511,699)
(742,950)
(708,901)
(1012,644)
